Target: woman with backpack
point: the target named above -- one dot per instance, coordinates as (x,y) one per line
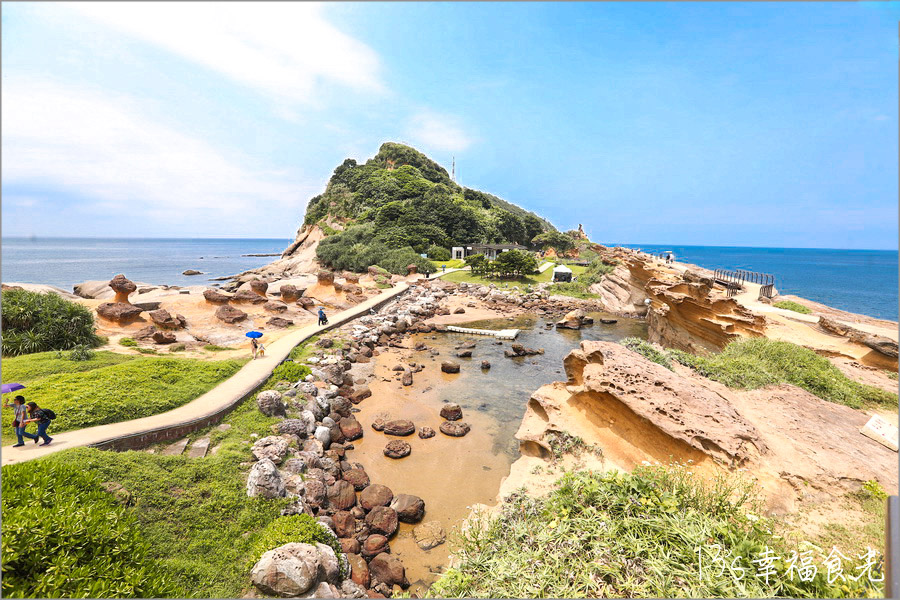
(42,416)
(19,421)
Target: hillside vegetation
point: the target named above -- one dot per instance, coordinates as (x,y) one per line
(35,322)
(401,204)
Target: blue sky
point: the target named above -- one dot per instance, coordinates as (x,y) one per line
(755,124)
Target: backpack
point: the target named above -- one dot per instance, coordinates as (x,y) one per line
(49,414)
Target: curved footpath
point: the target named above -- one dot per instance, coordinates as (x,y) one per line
(204,410)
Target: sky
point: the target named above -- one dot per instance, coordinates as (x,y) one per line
(702,123)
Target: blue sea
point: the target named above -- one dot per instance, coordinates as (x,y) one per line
(861,281)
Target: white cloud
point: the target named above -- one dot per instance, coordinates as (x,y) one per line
(103,148)
(438,132)
(283,49)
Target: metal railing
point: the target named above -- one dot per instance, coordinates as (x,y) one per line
(740,276)
(767,291)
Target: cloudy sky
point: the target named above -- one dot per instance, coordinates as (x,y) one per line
(756,124)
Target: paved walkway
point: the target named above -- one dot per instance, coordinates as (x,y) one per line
(242,383)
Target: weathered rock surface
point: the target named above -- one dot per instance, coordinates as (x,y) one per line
(120,312)
(397,449)
(230,314)
(449,366)
(271,447)
(294,569)
(426,432)
(410,509)
(383,520)
(429,535)
(164,319)
(375,495)
(279,322)
(123,287)
(399,427)
(163,337)
(248,296)
(341,495)
(270,403)
(451,411)
(265,480)
(575,319)
(387,569)
(215,296)
(455,428)
(259,287)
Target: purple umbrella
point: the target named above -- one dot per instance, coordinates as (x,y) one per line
(11,387)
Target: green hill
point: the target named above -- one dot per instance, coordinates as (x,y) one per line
(400,204)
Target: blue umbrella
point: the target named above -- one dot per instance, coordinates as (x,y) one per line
(254,334)
(11,387)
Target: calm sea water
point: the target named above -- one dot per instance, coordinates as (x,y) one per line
(860,281)
(64,262)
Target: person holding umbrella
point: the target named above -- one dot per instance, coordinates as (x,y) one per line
(254,343)
(20,419)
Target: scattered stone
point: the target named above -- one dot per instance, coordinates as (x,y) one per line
(399,427)
(360,394)
(271,447)
(164,337)
(375,495)
(357,478)
(118,311)
(383,520)
(344,523)
(397,449)
(279,322)
(407,378)
(378,424)
(265,480)
(426,432)
(410,509)
(454,429)
(270,403)
(459,311)
(374,544)
(449,367)
(429,535)
(230,314)
(520,350)
(351,428)
(215,296)
(191,272)
(341,495)
(451,411)
(163,318)
(485,365)
(359,568)
(275,306)
(387,569)
(575,319)
(248,296)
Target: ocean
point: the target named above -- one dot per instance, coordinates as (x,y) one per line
(860,281)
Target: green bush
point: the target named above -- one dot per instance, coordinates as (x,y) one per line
(81,353)
(290,371)
(757,362)
(570,288)
(302,529)
(65,536)
(438,253)
(629,536)
(790,305)
(215,348)
(648,351)
(37,322)
(127,342)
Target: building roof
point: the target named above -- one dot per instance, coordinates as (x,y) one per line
(496,246)
(561,269)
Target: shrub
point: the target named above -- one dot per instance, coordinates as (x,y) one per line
(571,288)
(65,536)
(127,342)
(290,371)
(303,529)
(215,348)
(147,350)
(438,253)
(648,351)
(81,353)
(177,348)
(790,305)
(37,322)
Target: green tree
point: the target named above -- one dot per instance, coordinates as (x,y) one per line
(436,252)
(515,262)
(554,239)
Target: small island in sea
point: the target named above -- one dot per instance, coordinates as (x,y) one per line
(489,407)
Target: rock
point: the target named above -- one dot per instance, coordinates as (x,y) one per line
(520,350)
(325,278)
(148,306)
(452,428)
(397,449)
(288,571)
(449,367)
(162,318)
(259,287)
(375,495)
(271,447)
(407,378)
(374,544)
(378,424)
(386,568)
(215,296)
(306,302)
(248,296)
(426,432)
(459,311)
(323,434)
(279,322)
(411,269)
(164,337)
(399,427)
(344,523)
(123,287)
(429,535)
(359,568)
(314,493)
(122,495)
(326,342)
(341,495)
(230,314)
(575,319)
(410,509)
(383,520)
(118,311)
(270,403)
(351,428)
(464,354)
(290,293)
(485,365)
(275,306)
(357,478)
(350,545)
(360,394)
(451,411)
(265,480)
(297,507)
(191,272)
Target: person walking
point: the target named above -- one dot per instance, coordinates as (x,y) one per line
(19,421)
(254,346)
(41,416)
(323,320)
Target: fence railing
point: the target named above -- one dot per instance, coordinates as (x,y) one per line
(740,276)
(767,291)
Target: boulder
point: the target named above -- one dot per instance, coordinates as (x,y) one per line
(344,523)
(248,296)
(192,272)
(464,354)
(359,568)
(123,287)
(407,378)
(164,337)
(259,287)
(279,322)
(290,293)
(350,545)
(118,311)
(448,366)
(164,319)
(397,449)
(351,428)
(454,429)
(341,495)
(275,306)
(265,480)
(575,319)
(383,520)
(298,427)
(271,447)
(374,544)
(411,269)
(215,296)
(270,403)
(399,427)
(359,394)
(323,434)
(314,492)
(325,278)
(375,495)
(485,365)
(429,535)
(230,314)
(451,411)
(387,569)
(357,478)
(426,432)
(410,509)
(289,570)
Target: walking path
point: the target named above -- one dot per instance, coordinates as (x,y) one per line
(227,393)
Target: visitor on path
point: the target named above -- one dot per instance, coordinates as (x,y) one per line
(41,416)
(19,421)
(323,320)
(254,346)
(261,351)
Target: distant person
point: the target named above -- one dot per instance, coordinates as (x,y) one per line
(19,420)
(254,346)
(43,417)
(323,320)
(443,268)
(261,350)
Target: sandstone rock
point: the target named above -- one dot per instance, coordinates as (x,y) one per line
(306,302)
(429,535)
(387,569)
(455,429)
(275,306)
(410,509)
(357,478)
(451,411)
(325,278)
(426,432)
(270,447)
(230,314)
(314,493)
(162,318)
(290,293)
(259,287)
(375,495)
(378,424)
(350,545)
(360,394)
(118,311)
(291,570)
(464,354)
(279,322)
(407,378)
(123,287)
(399,427)
(397,449)
(449,367)
(575,319)
(192,272)
(459,311)
(351,428)
(164,337)
(383,520)
(341,495)
(248,296)
(215,296)
(359,568)
(270,403)
(344,523)
(520,350)
(265,480)
(374,544)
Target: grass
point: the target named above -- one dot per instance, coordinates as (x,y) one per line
(629,535)
(468,277)
(128,342)
(648,351)
(454,263)
(572,289)
(305,350)
(111,388)
(215,348)
(868,504)
(758,362)
(790,305)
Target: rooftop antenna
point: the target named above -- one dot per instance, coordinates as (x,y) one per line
(453,170)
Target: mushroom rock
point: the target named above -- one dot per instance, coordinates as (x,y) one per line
(306,302)
(275,306)
(411,269)
(164,337)
(279,322)
(248,296)
(118,311)
(260,287)
(325,278)
(122,286)
(352,278)
(338,287)
(230,314)
(290,293)
(215,296)
(164,319)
